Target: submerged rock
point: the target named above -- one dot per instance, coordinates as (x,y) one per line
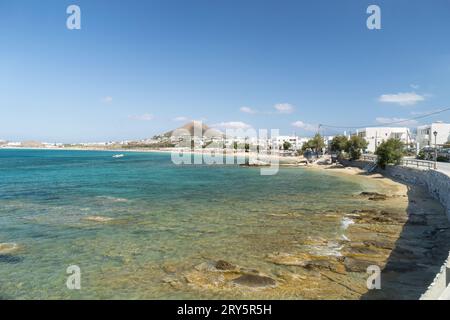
(374,196)
(7,258)
(357,265)
(8,248)
(383,244)
(255,281)
(173,282)
(309,262)
(223,275)
(298,259)
(372,216)
(169,268)
(332,265)
(224,265)
(220,266)
(206,267)
(97,219)
(315,241)
(204,279)
(378,198)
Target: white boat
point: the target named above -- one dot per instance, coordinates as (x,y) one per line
(118,156)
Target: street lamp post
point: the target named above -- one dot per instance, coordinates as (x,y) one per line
(435,150)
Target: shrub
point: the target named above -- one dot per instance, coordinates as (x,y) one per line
(354,146)
(421,155)
(287,145)
(390,151)
(316,144)
(338,144)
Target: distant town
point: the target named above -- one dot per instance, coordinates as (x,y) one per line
(422,141)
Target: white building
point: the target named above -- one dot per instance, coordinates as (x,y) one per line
(14,144)
(94,144)
(52,144)
(327,141)
(376,135)
(293,140)
(425,136)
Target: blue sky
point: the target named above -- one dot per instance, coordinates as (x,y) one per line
(137,68)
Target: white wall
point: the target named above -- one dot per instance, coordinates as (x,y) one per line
(376,135)
(425,139)
(293,140)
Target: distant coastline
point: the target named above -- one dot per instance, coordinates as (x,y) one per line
(284,160)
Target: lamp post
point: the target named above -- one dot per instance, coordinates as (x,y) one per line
(435,150)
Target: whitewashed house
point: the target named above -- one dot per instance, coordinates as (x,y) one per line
(425,134)
(376,135)
(293,140)
(327,142)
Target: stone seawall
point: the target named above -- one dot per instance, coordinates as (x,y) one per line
(438,185)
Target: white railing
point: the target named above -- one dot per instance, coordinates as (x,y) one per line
(417,163)
(407,162)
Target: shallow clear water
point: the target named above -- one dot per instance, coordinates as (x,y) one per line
(163,215)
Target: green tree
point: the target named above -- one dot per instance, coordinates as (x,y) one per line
(306,145)
(287,145)
(354,146)
(247,147)
(339,143)
(316,143)
(390,151)
(235,145)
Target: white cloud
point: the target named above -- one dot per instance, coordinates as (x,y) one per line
(232,125)
(247,110)
(181,119)
(402,98)
(142,117)
(284,107)
(107,99)
(414,86)
(397,121)
(305,126)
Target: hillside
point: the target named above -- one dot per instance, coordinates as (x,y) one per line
(200,128)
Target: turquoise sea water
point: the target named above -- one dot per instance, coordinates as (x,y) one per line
(163,216)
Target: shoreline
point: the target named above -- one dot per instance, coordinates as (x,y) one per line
(415,261)
(396,188)
(161,150)
(398,227)
(331,268)
(284,161)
